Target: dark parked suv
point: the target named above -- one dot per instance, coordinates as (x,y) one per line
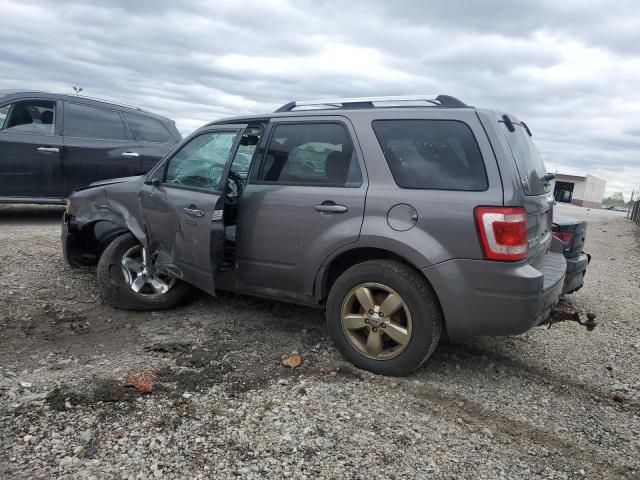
(402,217)
(51,144)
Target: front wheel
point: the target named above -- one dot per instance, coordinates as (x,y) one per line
(128,280)
(384,317)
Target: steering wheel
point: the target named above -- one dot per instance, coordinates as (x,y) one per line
(233,189)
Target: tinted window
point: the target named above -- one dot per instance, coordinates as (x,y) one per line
(432,154)
(32,116)
(311,153)
(528,160)
(201,162)
(147,129)
(92,122)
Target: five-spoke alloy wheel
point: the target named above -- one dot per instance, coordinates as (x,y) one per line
(376,321)
(129,280)
(384,317)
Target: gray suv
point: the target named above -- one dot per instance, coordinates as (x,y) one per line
(404,218)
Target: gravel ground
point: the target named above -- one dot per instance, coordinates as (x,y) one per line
(553,403)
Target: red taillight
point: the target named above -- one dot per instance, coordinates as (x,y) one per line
(566,237)
(503,232)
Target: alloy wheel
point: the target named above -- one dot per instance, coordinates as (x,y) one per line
(141,276)
(376,321)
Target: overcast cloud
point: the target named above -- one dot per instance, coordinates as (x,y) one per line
(570,69)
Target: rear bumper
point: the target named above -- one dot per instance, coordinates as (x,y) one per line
(480,297)
(576,270)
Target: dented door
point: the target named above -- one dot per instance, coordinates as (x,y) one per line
(183,205)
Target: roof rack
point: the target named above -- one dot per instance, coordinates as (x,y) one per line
(370,102)
(104,100)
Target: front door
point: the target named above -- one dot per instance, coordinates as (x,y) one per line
(30,150)
(304,200)
(183,205)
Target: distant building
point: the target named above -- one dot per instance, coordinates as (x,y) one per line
(583,191)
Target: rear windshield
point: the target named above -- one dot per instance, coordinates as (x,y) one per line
(528,160)
(432,154)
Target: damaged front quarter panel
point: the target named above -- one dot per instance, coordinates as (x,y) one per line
(97,214)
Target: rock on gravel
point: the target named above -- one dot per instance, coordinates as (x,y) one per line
(552,404)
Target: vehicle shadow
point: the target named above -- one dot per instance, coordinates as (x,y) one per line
(30,213)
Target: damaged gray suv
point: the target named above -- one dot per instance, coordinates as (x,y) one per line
(404,218)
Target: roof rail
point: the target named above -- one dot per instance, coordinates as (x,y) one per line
(369,102)
(104,100)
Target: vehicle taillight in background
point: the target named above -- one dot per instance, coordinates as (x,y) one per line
(566,237)
(503,232)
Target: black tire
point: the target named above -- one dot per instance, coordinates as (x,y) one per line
(116,292)
(420,299)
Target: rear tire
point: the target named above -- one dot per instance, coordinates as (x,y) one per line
(116,291)
(410,334)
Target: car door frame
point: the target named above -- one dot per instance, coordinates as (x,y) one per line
(309,272)
(154,182)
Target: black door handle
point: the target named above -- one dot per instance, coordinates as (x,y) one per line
(193,211)
(330,206)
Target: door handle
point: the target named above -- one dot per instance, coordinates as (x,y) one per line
(194,212)
(130,154)
(47,150)
(329,206)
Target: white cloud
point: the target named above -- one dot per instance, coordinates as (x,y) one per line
(570,69)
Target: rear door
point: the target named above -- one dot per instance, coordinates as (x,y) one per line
(304,200)
(97,146)
(30,147)
(538,201)
(155,137)
(183,206)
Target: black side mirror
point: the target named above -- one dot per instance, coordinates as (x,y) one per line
(154,182)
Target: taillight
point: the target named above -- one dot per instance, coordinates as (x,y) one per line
(503,232)
(566,237)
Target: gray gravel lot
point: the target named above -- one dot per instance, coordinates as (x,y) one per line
(553,403)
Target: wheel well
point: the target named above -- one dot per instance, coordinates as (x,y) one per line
(88,241)
(352,257)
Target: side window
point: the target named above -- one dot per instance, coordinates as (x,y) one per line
(201,162)
(432,154)
(92,122)
(146,129)
(31,116)
(311,153)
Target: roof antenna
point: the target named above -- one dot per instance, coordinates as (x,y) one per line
(77,90)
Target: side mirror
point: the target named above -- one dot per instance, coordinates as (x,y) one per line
(154,182)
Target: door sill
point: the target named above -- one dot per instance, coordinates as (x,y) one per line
(34,200)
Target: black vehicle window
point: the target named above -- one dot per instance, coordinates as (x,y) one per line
(432,154)
(92,122)
(528,160)
(147,129)
(201,162)
(31,116)
(311,153)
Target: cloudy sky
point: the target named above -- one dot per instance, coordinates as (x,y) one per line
(570,69)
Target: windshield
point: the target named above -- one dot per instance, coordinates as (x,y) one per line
(528,160)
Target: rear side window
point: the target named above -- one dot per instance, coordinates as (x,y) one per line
(147,129)
(432,154)
(528,160)
(311,154)
(91,122)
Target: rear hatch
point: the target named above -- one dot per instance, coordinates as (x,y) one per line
(538,202)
